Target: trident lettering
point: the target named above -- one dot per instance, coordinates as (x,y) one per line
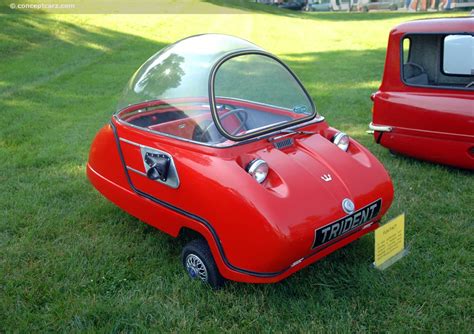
(326,177)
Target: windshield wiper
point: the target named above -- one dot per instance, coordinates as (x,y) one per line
(288,132)
(298,132)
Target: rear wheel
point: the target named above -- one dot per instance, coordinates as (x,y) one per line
(394,153)
(199,264)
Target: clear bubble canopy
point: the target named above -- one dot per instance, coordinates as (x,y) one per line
(214,89)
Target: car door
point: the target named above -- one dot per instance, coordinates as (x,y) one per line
(431,116)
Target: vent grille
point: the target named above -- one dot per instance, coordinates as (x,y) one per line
(284,143)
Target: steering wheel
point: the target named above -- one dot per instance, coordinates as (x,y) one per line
(238,112)
(418,67)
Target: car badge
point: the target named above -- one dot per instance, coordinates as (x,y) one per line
(348,206)
(326,177)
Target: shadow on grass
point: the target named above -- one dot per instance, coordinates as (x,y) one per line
(59,73)
(411,162)
(51,48)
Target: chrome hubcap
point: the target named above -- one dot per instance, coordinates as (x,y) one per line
(195,267)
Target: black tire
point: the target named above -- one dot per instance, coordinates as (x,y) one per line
(199,264)
(394,153)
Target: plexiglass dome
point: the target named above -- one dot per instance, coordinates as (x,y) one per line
(181,70)
(214,89)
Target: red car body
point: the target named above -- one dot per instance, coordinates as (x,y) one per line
(256,232)
(431,120)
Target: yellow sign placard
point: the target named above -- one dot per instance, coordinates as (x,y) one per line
(390,241)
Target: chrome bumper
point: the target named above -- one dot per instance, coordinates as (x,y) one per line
(379,128)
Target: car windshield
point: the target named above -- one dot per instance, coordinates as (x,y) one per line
(257,92)
(214,90)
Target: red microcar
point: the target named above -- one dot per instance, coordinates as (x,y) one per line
(218,139)
(424,107)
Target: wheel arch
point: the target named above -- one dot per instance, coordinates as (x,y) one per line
(187,233)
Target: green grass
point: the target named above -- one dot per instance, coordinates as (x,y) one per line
(72,261)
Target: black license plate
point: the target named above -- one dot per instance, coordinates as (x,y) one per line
(346,224)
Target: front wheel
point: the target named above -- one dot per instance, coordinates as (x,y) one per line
(199,264)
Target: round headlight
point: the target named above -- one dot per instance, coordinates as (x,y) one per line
(341,140)
(258,169)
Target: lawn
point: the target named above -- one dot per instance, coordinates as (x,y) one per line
(72,261)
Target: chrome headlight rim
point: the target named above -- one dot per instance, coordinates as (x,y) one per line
(342,141)
(254,168)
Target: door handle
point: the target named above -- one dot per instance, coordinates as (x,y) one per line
(158,166)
